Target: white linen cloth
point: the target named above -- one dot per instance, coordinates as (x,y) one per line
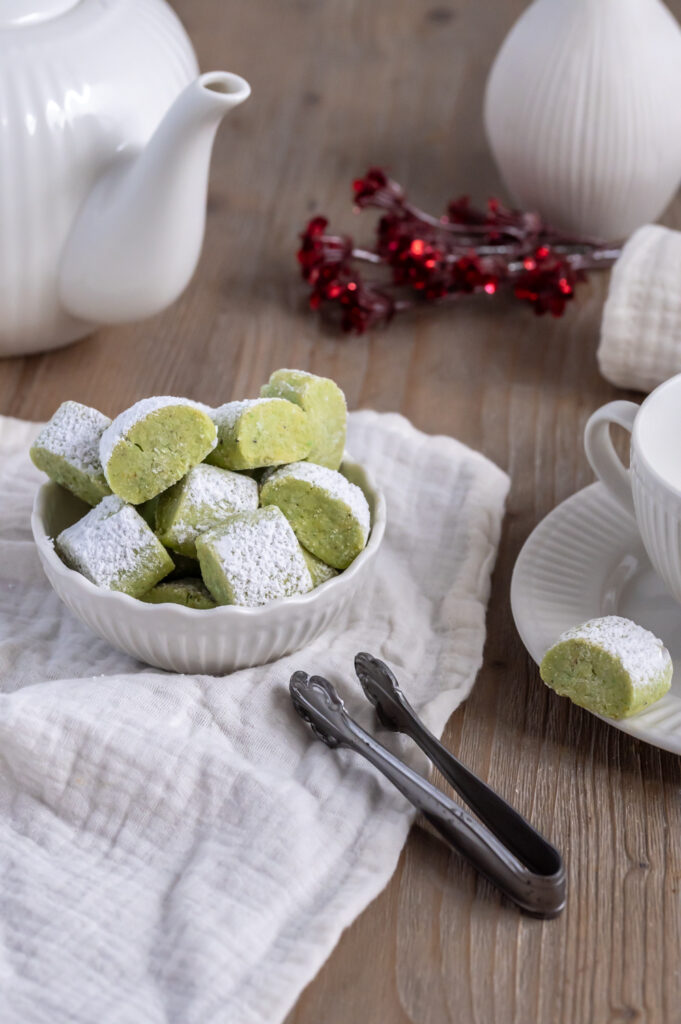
(178,848)
(640,343)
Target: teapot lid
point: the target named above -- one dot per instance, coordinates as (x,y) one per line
(21,13)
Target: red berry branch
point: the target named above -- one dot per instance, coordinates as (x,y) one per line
(420,258)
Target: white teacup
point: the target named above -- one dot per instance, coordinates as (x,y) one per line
(650,490)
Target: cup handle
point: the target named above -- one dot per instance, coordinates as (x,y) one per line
(601,453)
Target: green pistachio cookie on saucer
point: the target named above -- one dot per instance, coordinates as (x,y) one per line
(114,548)
(252,559)
(260,432)
(67,449)
(153,444)
(324,404)
(610,666)
(203,498)
(329,515)
(188,592)
(319,571)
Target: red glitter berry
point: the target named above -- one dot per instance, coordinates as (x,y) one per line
(376,189)
(547,282)
(319,250)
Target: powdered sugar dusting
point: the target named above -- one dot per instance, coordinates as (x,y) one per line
(208,409)
(226,416)
(261,557)
(108,543)
(641,654)
(74,433)
(286,381)
(208,495)
(335,485)
(123,423)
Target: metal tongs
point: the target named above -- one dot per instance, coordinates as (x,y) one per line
(506,849)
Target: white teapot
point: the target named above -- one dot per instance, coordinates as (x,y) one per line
(106,133)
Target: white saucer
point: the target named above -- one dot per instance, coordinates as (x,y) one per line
(585,560)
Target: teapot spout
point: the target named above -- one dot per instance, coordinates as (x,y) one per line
(137,239)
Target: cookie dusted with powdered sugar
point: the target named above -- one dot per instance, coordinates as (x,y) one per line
(202,499)
(114,548)
(252,559)
(260,432)
(610,666)
(330,516)
(151,446)
(191,593)
(323,402)
(319,571)
(67,449)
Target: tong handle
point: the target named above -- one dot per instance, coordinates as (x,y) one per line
(528,845)
(534,893)
(317,702)
(395,711)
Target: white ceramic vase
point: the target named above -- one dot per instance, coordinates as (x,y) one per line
(583,113)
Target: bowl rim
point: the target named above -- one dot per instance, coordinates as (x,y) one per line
(120,601)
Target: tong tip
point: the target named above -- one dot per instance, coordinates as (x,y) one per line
(381,689)
(317,702)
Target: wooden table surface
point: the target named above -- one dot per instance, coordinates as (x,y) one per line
(339,85)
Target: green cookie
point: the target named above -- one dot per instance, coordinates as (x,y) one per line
(114,548)
(610,666)
(329,515)
(202,499)
(260,432)
(153,444)
(67,449)
(319,571)
(324,404)
(252,559)
(188,592)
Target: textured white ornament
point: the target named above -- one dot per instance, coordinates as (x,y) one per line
(640,342)
(583,116)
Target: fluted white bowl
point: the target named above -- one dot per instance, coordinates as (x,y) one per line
(215,641)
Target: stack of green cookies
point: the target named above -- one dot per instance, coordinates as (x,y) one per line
(243,504)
